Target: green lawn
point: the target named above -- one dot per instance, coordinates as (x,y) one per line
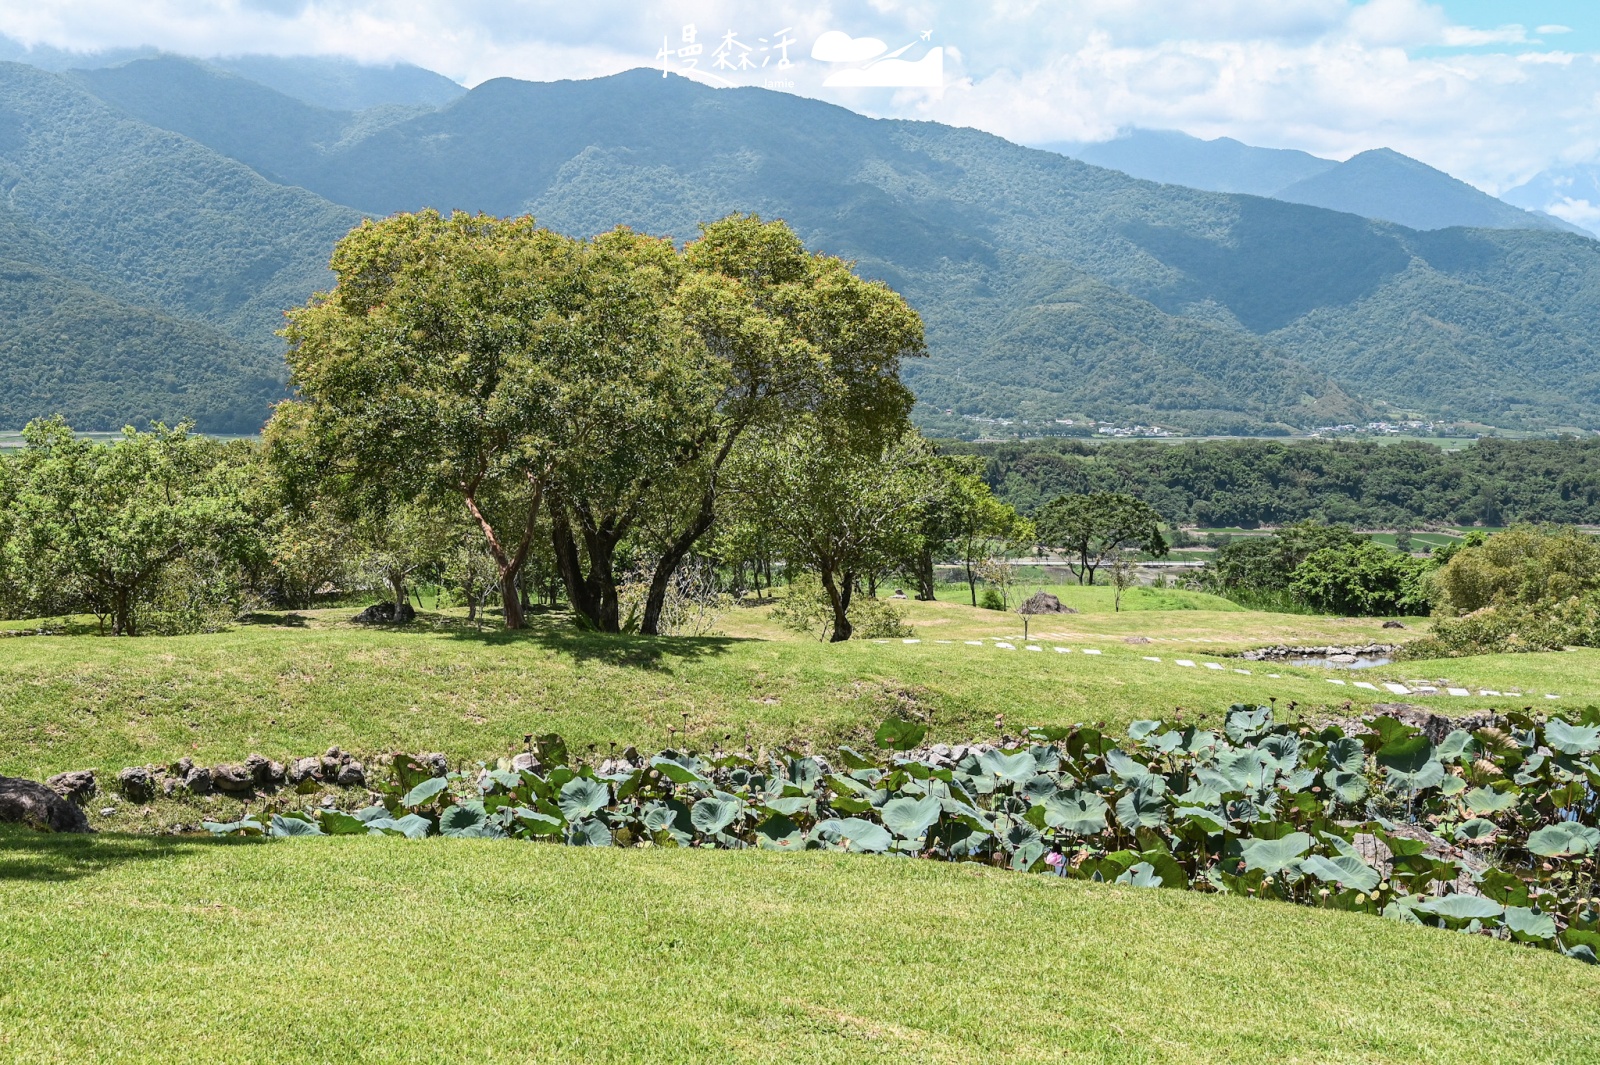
(361,949)
(74,702)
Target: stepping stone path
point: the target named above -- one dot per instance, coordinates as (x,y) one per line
(1389,686)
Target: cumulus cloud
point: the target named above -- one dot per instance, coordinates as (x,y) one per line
(1491,104)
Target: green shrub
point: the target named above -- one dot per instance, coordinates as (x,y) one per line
(1361,580)
(991,600)
(806,609)
(1513,628)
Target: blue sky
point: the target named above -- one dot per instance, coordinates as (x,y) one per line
(1493,92)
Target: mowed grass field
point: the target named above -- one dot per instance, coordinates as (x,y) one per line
(290,687)
(357,949)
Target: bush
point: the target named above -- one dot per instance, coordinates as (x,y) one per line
(991,600)
(806,609)
(1525,565)
(1513,628)
(1361,580)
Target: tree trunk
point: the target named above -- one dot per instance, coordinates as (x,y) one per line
(925,576)
(839,599)
(671,559)
(397,587)
(593,595)
(510,601)
(972,583)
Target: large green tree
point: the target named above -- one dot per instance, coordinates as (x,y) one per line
(440,365)
(836,505)
(97,526)
(1091,528)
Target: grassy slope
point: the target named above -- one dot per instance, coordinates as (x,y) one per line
(75,702)
(369,950)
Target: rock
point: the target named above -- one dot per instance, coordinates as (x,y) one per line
(107,811)
(1436,726)
(136,783)
(27,802)
(1393,625)
(170,785)
(78,785)
(525,762)
(305,769)
(233,779)
(198,780)
(328,766)
(351,775)
(1342,659)
(1136,639)
(385,614)
(183,768)
(1044,603)
(434,762)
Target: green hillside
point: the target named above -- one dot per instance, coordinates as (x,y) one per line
(1228,312)
(1050,288)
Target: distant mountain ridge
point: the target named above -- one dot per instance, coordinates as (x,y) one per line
(1380,183)
(1051,288)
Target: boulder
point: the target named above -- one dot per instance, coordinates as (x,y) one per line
(525,762)
(385,614)
(136,783)
(233,779)
(1044,603)
(304,769)
(1393,625)
(78,785)
(197,780)
(27,802)
(351,775)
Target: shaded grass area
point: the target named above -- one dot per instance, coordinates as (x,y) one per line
(377,950)
(79,702)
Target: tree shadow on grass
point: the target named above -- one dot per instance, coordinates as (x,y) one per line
(556,632)
(59,857)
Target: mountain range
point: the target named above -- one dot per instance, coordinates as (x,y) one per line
(206,200)
(1380,183)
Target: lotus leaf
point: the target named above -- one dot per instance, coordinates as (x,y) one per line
(1564,838)
(1142,874)
(1572,739)
(1350,871)
(425,792)
(1476,830)
(590,833)
(1528,924)
(779,833)
(856,834)
(897,734)
(335,823)
(1273,856)
(581,797)
(1459,907)
(911,818)
(293,826)
(715,812)
(1140,808)
(1017,768)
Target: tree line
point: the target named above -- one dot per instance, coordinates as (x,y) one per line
(1249,483)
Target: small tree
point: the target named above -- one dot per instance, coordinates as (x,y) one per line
(1091,528)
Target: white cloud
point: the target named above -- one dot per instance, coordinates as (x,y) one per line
(1553,29)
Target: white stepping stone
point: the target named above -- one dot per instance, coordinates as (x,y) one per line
(1033,647)
(943,641)
(973,643)
(1275,676)
(910,641)
(1063,650)
(1007,646)
(1486,691)
(1212,665)
(1246,672)
(1398,689)
(1090,651)
(1150,658)
(1458,691)
(1552,696)
(1331,680)
(1366,685)
(1427,690)
(1185,662)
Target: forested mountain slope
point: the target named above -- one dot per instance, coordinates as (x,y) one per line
(1051,288)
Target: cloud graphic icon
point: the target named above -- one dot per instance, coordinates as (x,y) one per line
(836,46)
(925,73)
